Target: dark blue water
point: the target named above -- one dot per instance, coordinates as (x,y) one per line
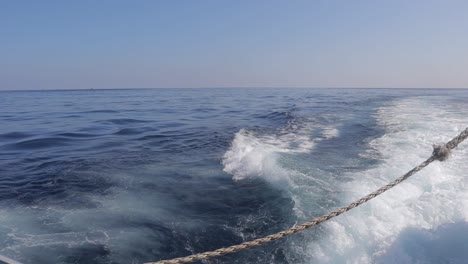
(128,176)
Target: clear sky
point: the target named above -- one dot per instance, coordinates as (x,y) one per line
(216,43)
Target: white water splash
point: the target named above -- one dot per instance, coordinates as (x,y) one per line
(437,195)
(256,155)
(251,155)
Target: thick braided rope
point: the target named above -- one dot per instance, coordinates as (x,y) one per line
(441,153)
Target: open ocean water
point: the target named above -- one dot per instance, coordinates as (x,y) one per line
(128,176)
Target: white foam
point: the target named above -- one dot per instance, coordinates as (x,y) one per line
(435,196)
(36,230)
(330,132)
(256,154)
(279,159)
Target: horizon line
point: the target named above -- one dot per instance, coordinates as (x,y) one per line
(231,87)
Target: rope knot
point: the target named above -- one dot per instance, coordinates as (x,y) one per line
(440,152)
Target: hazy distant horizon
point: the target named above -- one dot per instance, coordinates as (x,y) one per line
(150,88)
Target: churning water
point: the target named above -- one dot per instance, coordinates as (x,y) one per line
(128,176)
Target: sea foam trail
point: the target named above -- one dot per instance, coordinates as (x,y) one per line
(282,159)
(256,154)
(434,197)
(253,155)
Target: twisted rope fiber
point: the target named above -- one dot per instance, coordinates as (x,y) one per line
(440,153)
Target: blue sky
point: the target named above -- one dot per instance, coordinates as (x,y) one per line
(125,44)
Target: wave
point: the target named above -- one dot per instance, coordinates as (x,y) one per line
(132,131)
(434,197)
(39,143)
(369,234)
(445,244)
(123,121)
(15,135)
(283,160)
(255,154)
(78,135)
(277,115)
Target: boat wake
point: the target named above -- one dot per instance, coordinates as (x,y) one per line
(420,213)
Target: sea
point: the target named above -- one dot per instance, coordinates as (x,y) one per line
(139,175)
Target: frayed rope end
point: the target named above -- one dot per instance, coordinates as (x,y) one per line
(441,152)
